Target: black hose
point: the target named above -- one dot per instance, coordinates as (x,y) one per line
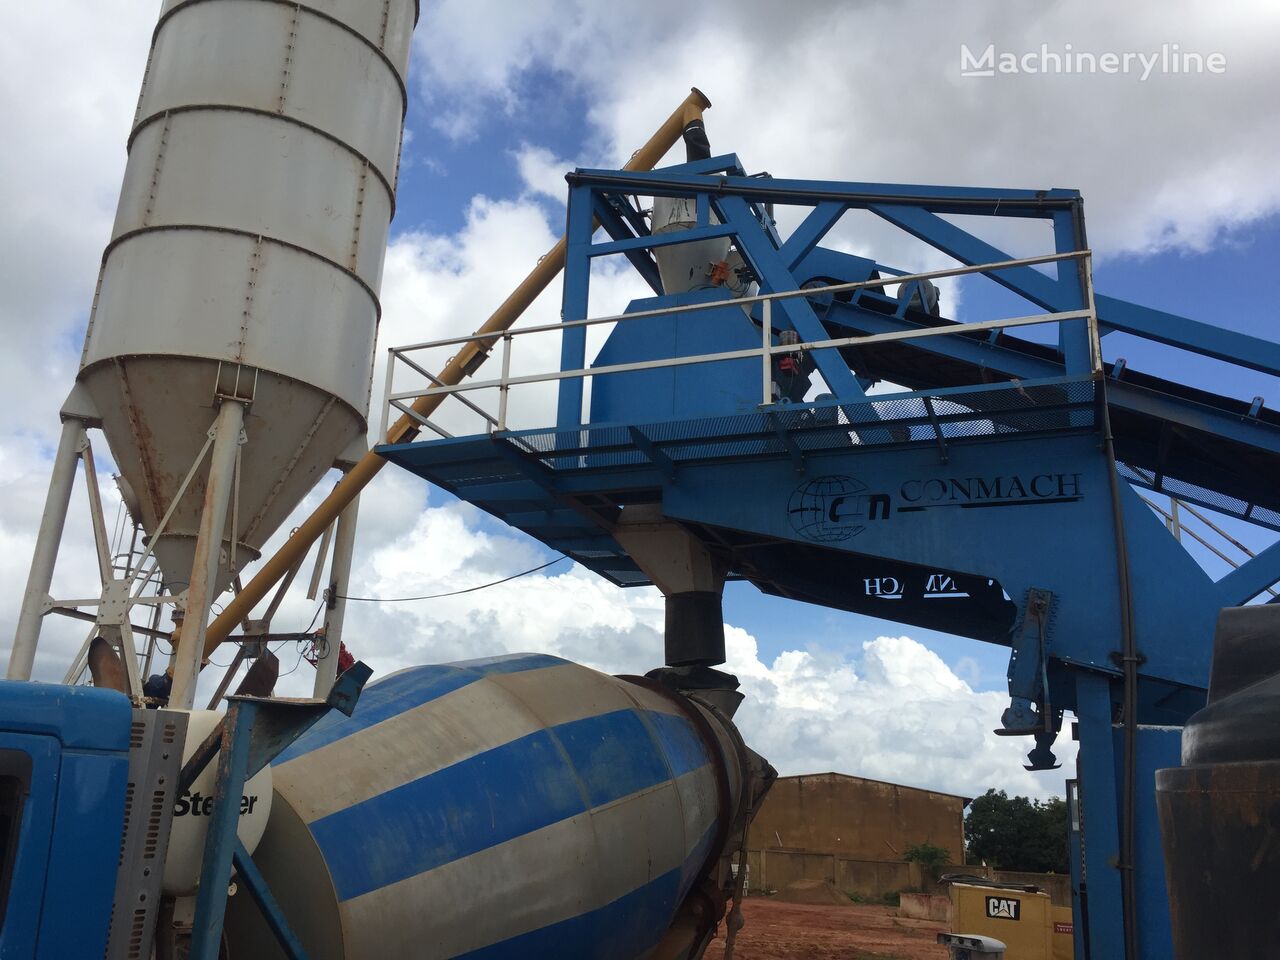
(696,144)
(1129,659)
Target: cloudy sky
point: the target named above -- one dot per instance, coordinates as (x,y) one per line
(1178,172)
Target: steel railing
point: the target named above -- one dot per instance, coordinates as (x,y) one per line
(766,352)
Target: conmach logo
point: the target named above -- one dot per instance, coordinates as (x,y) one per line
(831,509)
(834,508)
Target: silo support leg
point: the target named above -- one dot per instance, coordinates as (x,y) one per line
(23,655)
(204,570)
(335,597)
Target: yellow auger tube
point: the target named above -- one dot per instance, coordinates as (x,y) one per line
(473,354)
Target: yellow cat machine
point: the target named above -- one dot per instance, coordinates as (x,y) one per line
(1020,916)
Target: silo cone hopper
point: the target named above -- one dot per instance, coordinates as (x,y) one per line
(160,415)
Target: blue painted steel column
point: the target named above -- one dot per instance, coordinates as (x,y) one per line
(1158,747)
(220,841)
(1073,335)
(1075,868)
(1099,802)
(577,288)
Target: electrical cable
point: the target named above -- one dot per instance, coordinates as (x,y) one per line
(314,617)
(454,593)
(297,663)
(221,666)
(1129,703)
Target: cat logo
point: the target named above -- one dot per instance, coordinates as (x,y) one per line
(1003,908)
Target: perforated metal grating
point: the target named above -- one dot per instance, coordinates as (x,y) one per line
(1201,496)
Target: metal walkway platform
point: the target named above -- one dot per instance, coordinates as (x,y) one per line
(565,488)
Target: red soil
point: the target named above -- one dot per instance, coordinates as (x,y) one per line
(792,931)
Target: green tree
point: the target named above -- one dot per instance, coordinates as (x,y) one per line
(930,857)
(1016,833)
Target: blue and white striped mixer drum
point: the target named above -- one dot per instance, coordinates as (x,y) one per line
(520,806)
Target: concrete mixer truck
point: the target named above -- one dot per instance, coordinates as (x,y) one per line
(519,806)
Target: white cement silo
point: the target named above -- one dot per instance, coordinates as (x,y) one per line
(238,294)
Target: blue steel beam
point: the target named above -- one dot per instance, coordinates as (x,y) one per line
(1120,394)
(1197,416)
(726,163)
(1228,345)
(968,249)
(618,228)
(967,200)
(220,838)
(980,353)
(1239,348)
(661,240)
(651,451)
(620,208)
(775,274)
(1252,577)
(268,906)
(812,229)
(1073,338)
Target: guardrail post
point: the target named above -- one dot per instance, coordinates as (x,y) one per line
(504,387)
(1095,337)
(386,396)
(766,357)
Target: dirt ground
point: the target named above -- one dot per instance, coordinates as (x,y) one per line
(793,931)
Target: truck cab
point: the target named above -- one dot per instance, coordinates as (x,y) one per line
(64,763)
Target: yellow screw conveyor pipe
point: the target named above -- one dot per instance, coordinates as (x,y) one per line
(467,360)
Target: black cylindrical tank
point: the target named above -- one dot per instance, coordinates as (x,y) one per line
(1220,811)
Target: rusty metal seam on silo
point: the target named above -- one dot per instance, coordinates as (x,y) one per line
(258,111)
(318,14)
(251,235)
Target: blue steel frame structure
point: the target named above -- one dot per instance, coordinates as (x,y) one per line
(993,499)
(254,731)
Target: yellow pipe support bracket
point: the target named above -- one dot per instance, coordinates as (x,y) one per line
(465,363)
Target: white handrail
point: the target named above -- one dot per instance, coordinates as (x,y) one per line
(766,351)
